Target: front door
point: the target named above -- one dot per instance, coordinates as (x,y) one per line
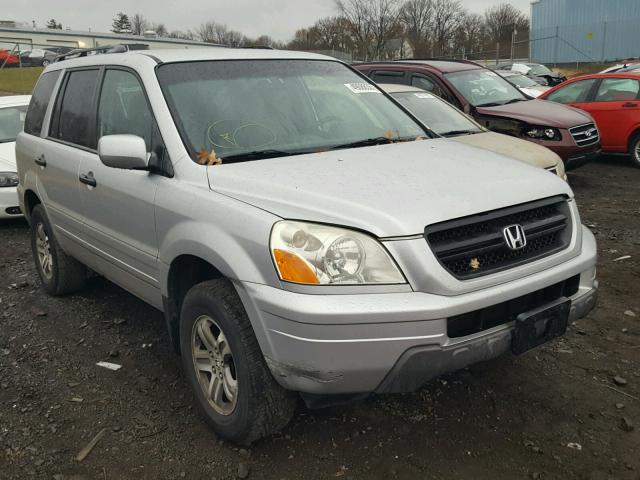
(118,205)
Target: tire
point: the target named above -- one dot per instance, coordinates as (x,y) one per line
(634,150)
(258,406)
(45,62)
(59,273)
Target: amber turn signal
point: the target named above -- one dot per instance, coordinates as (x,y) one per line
(292,268)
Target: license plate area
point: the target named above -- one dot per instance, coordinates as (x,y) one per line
(539,326)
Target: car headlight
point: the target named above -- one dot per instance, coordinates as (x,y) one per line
(8,179)
(543,133)
(315,254)
(559,170)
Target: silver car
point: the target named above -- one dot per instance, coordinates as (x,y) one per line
(302,232)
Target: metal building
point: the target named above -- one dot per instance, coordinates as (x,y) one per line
(568,31)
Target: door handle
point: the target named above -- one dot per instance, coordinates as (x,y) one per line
(88,179)
(41,161)
(630,105)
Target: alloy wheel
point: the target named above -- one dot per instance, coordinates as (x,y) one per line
(43,248)
(214,365)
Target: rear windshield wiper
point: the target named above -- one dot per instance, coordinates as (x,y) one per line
(370,142)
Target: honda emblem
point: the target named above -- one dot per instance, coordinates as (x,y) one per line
(515,237)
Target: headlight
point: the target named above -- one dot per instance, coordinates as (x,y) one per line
(543,133)
(8,179)
(558,170)
(316,254)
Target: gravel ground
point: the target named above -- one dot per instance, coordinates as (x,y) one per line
(556,412)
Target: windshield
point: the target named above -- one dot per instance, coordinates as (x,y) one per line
(484,88)
(11,122)
(252,109)
(521,81)
(437,114)
(537,69)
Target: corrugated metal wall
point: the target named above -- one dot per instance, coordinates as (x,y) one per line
(566,31)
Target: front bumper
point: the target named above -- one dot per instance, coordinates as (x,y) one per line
(572,155)
(9,207)
(393,342)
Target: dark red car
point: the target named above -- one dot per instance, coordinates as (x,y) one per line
(613,100)
(497,104)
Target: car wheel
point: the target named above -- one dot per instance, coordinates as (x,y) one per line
(59,273)
(45,62)
(225,367)
(634,150)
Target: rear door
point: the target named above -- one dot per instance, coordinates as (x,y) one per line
(118,208)
(70,138)
(616,109)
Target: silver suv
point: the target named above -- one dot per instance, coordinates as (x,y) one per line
(300,230)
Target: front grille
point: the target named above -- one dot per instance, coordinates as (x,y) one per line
(506,312)
(475,246)
(585,135)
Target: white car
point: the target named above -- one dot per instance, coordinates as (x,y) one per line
(12,112)
(525,84)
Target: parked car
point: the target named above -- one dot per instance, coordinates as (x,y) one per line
(41,57)
(12,112)
(622,66)
(449,122)
(299,229)
(613,99)
(8,59)
(538,72)
(497,105)
(525,84)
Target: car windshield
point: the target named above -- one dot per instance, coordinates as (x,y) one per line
(253,109)
(484,88)
(437,114)
(11,122)
(521,81)
(537,69)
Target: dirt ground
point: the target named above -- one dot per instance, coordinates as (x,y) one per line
(554,413)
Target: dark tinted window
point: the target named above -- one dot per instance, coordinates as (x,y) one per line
(75,110)
(39,102)
(387,76)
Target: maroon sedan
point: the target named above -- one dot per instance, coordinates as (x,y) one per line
(497,104)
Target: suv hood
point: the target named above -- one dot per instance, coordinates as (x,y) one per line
(388,190)
(8,157)
(540,112)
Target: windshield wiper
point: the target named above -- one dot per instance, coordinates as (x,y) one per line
(514,100)
(370,142)
(258,155)
(455,133)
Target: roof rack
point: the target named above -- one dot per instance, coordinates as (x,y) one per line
(85,52)
(441,59)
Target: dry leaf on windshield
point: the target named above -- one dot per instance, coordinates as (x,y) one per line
(208,158)
(389,135)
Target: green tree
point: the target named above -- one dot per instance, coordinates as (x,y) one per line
(52,24)
(121,23)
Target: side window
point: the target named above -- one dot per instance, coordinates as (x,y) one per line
(123,109)
(388,76)
(618,90)
(425,83)
(74,113)
(573,93)
(39,102)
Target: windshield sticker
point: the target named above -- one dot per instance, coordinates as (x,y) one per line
(361,88)
(424,95)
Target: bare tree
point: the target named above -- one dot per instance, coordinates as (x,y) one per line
(417,18)
(138,24)
(470,34)
(502,20)
(160,29)
(207,32)
(357,12)
(446,17)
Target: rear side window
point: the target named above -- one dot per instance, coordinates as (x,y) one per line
(388,76)
(73,117)
(39,102)
(618,90)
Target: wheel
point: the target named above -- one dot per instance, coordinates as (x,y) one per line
(45,62)
(59,273)
(225,367)
(634,149)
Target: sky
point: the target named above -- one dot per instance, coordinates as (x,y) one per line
(277,18)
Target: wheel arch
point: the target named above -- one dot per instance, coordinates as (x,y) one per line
(31,199)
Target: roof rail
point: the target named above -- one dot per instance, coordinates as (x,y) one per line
(439,59)
(85,52)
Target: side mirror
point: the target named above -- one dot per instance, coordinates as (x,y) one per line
(128,152)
